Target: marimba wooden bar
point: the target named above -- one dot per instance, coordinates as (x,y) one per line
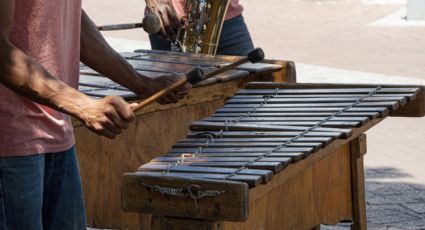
(156,128)
(238,169)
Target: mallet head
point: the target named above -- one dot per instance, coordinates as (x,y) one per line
(256,55)
(151,24)
(195,75)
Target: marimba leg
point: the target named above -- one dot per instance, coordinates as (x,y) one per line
(358,150)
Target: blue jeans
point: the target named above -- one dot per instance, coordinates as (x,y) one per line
(234,39)
(41,192)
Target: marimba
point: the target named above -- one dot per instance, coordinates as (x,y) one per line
(275,156)
(156,128)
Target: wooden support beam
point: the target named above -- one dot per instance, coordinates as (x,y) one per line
(358,150)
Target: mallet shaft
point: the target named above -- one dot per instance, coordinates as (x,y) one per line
(160,94)
(226,68)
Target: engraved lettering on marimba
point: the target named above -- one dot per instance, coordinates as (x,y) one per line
(193,191)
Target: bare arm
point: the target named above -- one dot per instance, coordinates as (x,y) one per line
(24,76)
(97,54)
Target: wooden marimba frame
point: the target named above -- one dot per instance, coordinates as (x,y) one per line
(276,156)
(156,127)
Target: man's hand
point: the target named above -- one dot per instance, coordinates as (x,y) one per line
(163,82)
(107,116)
(170,22)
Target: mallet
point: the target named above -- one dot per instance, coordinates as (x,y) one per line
(150,24)
(197,74)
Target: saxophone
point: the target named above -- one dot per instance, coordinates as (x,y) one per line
(202,26)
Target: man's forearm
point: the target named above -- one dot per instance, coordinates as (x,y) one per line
(98,55)
(23,75)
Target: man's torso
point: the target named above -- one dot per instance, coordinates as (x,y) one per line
(48,32)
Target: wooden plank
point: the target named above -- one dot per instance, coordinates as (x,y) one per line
(149,167)
(251,180)
(285,119)
(377,96)
(305,114)
(128,95)
(241,150)
(202,139)
(330,124)
(99,82)
(295,156)
(323,90)
(263,165)
(207,126)
(314,145)
(203,159)
(254,134)
(327,86)
(160,66)
(317,99)
(392,105)
(382,110)
(230,202)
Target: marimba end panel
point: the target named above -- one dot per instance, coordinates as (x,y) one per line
(319,194)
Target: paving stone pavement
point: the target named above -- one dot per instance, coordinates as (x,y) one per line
(391,205)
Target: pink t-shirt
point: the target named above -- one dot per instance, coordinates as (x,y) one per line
(48,32)
(235,9)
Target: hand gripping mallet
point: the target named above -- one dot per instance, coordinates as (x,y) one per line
(197,75)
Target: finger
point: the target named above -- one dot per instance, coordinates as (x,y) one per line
(133,106)
(110,126)
(116,119)
(173,96)
(165,100)
(123,109)
(183,91)
(99,129)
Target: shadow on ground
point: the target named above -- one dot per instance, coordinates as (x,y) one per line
(391,203)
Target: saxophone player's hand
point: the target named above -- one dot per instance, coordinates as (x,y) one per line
(170,22)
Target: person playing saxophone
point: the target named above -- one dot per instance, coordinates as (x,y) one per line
(235,38)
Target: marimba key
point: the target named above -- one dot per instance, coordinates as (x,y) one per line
(285,119)
(254,134)
(241,150)
(327,124)
(280,91)
(211,126)
(202,139)
(313,145)
(295,156)
(201,158)
(402,98)
(381,110)
(299,114)
(152,167)
(263,165)
(389,105)
(251,180)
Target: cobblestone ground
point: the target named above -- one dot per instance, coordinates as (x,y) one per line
(391,205)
